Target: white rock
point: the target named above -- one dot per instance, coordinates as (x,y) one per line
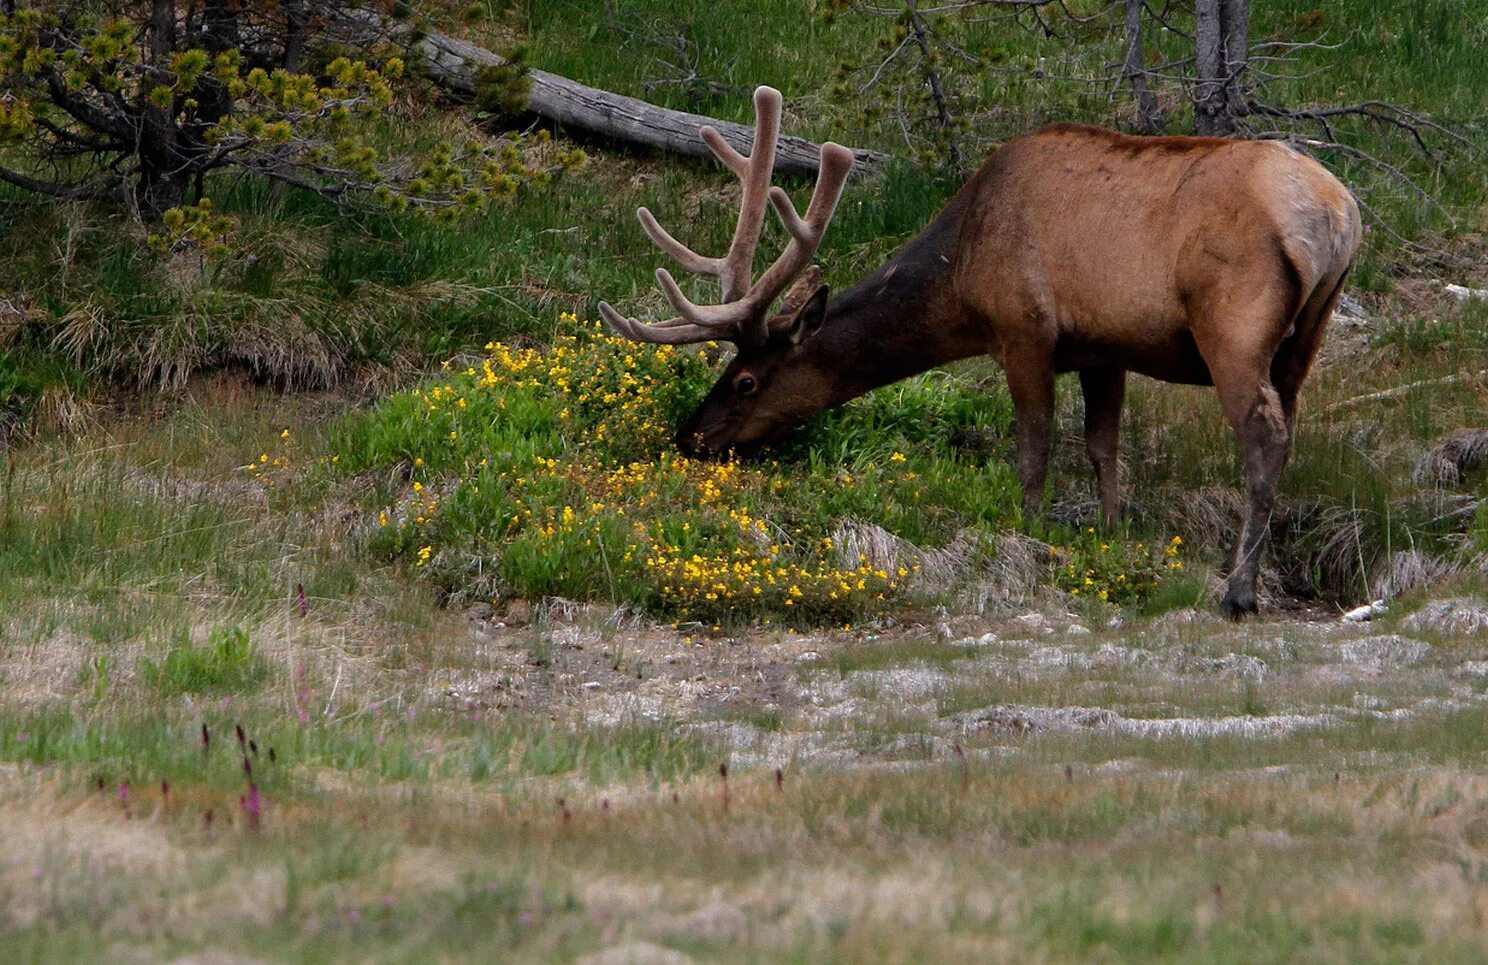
(1463,293)
(1366,612)
(716,923)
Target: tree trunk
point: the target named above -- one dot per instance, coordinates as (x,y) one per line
(163,174)
(1235,23)
(1149,114)
(1209,102)
(1221,51)
(456,66)
(296,31)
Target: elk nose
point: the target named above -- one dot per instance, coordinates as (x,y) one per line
(690,444)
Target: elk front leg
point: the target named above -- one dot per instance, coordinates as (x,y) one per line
(1031,384)
(1104,390)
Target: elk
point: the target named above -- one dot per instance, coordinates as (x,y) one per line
(1200,261)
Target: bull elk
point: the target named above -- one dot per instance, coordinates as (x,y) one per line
(1190,260)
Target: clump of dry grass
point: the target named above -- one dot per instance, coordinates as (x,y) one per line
(1460,618)
(1410,570)
(1006,566)
(1451,456)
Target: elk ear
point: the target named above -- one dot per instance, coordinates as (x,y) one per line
(801,291)
(808,320)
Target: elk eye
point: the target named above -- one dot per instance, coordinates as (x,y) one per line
(746,385)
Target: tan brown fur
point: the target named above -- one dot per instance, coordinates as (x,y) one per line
(1073,248)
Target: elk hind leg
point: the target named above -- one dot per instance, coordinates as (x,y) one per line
(1239,342)
(1104,390)
(1264,436)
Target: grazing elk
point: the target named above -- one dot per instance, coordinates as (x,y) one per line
(1192,260)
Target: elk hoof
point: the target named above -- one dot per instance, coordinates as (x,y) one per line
(1237,603)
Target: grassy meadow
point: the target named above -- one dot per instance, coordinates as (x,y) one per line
(354,604)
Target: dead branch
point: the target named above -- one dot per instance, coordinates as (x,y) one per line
(1403,390)
(1391,115)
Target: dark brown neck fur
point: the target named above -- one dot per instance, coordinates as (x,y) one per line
(900,320)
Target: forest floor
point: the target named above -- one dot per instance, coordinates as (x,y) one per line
(573,782)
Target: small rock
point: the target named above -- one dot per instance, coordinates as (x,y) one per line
(1184,616)
(1349,307)
(518,613)
(1450,618)
(1368,611)
(592,685)
(1077,630)
(1260,837)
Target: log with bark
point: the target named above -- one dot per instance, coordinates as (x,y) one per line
(456,65)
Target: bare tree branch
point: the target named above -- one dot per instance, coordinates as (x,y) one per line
(56,189)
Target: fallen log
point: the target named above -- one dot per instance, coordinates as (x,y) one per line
(456,65)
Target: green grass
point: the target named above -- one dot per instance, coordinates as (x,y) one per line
(228,662)
(382,745)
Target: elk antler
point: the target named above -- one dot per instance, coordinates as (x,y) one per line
(741,316)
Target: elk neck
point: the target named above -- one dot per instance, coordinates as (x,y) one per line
(899,321)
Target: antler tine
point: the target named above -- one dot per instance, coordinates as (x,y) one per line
(806,233)
(716,317)
(836,163)
(673,332)
(756,175)
(680,253)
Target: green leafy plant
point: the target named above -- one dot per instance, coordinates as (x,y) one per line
(1113,569)
(229,661)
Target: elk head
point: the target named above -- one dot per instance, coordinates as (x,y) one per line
(764,390)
